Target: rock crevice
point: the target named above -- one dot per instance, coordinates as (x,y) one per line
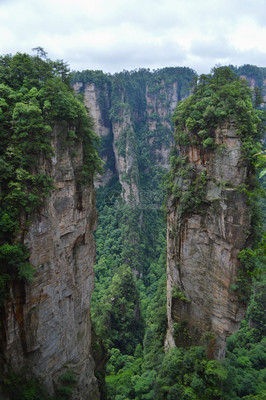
(203,247)
(48,327)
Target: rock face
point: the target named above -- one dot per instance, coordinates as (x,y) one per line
(124,147)
(93,94)
(91,97)
(203,247)
(47,327)
(132,114)
(159,116)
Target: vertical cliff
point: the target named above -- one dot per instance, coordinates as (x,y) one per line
(47,220)
(47,322)
(203,246)
(161,100)
(205,300)
(136,130)
(209,213)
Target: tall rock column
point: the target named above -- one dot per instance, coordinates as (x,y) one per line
(126,154)
(160,107)
(210,217)
(47,328)
(97,99)
(205,236)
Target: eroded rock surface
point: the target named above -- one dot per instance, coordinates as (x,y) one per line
(120,131)
(48,327)
(203,247)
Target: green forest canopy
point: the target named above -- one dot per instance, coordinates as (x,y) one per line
(35,96)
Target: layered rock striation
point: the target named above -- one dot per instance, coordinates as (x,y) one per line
(204,238)
(46,326)
(132,113)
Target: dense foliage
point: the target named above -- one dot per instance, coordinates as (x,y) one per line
(246,350)
(23,386)
(121,306)
(129,236)
(132,234)
(218,99)
(253,73)
(36,99)
(129,300)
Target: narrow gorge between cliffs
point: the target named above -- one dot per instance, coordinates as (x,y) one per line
(137,140)
(141,278)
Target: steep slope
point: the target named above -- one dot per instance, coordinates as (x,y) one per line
(135,113)
(47,322)
(132,112)
(210,213)
(256,78)
(48,216)
(203,247)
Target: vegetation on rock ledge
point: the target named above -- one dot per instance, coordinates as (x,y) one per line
(35,96)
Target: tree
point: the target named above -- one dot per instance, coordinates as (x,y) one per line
(121,319)
(40,52)
(33,98)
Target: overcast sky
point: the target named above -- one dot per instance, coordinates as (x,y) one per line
(112,35)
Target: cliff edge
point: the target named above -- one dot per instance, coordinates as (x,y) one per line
(47,218)
(47,329)
(209,213)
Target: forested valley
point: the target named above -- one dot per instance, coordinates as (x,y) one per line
(137,113)
(129,299)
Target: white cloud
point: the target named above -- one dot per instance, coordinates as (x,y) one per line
(127,34)
(248,35)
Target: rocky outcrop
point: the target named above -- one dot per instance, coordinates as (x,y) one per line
(124,146)
(91,100)
(97,99)
(47,327)
(203,245)
(160,107)
(125,127)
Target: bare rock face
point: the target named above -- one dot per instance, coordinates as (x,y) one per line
(120,131)
(91,97)
(203,247)
(161,104)
(125,155)
(102,124)
(47,327)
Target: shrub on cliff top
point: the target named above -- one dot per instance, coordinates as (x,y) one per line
(218,98)
(35,94)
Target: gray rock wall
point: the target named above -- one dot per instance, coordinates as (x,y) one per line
(48,327)
(123,129)
(203,248)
